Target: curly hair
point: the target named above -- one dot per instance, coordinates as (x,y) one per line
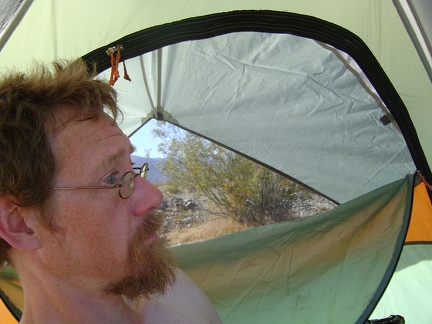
(28,102)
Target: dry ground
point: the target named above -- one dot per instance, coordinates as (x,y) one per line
(203,231)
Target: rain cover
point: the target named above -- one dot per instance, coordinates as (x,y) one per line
(328,268)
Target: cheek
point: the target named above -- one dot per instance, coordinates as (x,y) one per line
(92,240)
(94,224)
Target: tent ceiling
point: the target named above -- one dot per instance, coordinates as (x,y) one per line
(63,32)
(297,105)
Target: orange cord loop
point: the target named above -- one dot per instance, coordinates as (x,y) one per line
(115,56)
(424,180)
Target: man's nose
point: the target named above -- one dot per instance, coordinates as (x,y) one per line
(146,197)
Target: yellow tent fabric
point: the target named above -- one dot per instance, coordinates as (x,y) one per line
(11,287)
(5,316)
(420,228)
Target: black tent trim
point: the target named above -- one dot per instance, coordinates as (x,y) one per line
(16,313)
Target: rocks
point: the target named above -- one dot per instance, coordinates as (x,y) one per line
(180,205)
(182,213)
(191,204)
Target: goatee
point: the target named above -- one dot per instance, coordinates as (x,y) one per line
(151,268)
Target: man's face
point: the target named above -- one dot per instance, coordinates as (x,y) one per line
(106,243)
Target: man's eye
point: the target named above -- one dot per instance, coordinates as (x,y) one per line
(111,179)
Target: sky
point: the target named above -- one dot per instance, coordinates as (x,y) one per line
(144,141)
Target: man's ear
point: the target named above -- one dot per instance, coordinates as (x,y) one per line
(13,226)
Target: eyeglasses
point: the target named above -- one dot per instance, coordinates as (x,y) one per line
(125,187)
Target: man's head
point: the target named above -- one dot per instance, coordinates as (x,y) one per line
(29,104)
(54,133)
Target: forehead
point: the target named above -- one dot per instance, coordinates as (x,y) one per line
(85,143)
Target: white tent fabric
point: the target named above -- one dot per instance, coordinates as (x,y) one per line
(405,291)
(289,102)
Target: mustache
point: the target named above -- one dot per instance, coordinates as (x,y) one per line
(152,223)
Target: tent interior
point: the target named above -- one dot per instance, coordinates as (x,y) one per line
(303,95)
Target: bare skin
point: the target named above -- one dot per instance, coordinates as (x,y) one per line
(64,273)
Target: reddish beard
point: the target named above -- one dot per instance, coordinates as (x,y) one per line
(151,268)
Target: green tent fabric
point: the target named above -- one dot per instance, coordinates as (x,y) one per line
(320,269)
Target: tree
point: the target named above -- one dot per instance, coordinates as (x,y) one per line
(239,187)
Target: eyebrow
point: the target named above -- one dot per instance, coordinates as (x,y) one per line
(114,158)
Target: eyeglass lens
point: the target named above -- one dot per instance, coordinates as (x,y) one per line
(127,185)
(128,181)
(144,171)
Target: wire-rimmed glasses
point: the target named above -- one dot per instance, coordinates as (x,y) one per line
(125,186)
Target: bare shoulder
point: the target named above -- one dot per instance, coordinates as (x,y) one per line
(185,302)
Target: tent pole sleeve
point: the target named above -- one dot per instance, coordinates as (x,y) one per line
(14,22)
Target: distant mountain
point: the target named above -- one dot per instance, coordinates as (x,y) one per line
(155,174)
